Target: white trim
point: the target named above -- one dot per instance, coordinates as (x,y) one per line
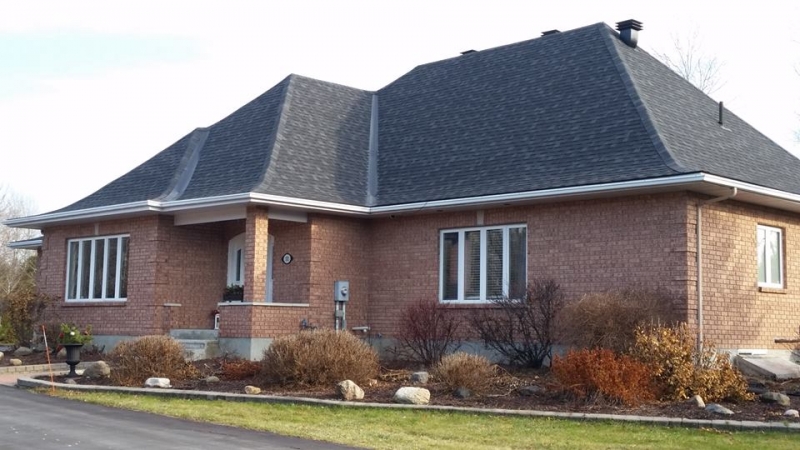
(767,261)
(92,266)
(27,244)
(676,181)
(291,305)
(483,261)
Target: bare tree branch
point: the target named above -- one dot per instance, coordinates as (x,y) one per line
(14,266)
(688,60)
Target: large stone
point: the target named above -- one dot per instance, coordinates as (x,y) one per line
(718,409)
(348,390)
(15,362)
(98,369)
(62,354)
(462,392)
(1,356)
(529,391)
(791,413)
(23,351)
(420,377)
(211,379)
(776,397)
(252,390)
(412,395)
(70,381)
(158,383)
(697,401)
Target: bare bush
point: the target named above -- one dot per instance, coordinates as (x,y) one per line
(133,362)
(428,330)
(22,310)
(522,330)
(319,358)
(609,319)
(466,370)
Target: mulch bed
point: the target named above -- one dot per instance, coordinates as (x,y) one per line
(506,394)
(37,357)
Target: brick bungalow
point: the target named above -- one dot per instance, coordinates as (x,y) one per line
(576,156)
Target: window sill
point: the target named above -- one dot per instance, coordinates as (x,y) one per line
(771,290)
(71,303)
(239,303)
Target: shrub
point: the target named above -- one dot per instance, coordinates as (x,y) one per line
(609,319)
(465,370)
(427,331)
(601,373)
(680,372)
(21,310)
(319,358)
(522,330)
(135,361)
(239,369)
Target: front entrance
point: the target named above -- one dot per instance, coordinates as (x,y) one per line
(236,275)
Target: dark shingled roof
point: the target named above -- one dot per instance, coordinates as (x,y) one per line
(567,109)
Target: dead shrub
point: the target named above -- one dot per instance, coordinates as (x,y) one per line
(609,319)
(21,311)
(522,330)
(133,362)
(239,369)
(602,374)
(427,331)
(680,372)
(466,370)
(319,358)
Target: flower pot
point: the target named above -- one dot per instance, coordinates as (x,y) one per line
(73,358)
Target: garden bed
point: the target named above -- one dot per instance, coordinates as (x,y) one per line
(39,357)
(513,390)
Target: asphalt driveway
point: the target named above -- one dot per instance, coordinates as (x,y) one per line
(36,421)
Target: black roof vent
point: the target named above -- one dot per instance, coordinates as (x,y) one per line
(629,32)
(467,52)
(548,33)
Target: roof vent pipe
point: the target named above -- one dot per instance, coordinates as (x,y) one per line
(467,52)
(629,32)
(548,33)
(720,113)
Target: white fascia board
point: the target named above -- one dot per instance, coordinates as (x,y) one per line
(37,221)
(676,181)
(27,244)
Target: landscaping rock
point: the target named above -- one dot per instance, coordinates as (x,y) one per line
(158,383)
(372,382)
(791,413)
(420,377)
(211,379)
(412,395)
(697,401)
(348,390)
(252,390)
(529,391)
(70,381)
(718,409)
(775,397)
(23,351)
(62,354)
(15,362)
(98,369)
(462,392)
(1,356)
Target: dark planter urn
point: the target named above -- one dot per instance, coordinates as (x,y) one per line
(73,358)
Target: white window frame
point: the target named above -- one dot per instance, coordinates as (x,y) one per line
(483,261)
(767,262)
(92,263)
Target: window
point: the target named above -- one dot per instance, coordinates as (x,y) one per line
(480,264)
(97,269)
(236,260)
(770,256)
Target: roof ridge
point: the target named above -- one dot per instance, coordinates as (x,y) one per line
(273,144)
(644,114)
(185,170)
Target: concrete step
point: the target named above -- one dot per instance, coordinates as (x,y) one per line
(771,367)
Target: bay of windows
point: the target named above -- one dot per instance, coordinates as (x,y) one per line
(97,268)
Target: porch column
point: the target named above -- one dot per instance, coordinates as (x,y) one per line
(255,254)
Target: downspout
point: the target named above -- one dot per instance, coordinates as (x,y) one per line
(699,253)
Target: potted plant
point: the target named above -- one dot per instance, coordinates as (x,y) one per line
(233,293)
(72,339)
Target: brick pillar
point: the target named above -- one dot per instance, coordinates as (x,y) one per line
(255,254)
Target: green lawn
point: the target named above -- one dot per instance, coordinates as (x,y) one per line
(430,429)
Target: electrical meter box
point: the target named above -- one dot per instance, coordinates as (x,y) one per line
(341,291)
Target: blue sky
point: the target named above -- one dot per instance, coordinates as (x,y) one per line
(90,89)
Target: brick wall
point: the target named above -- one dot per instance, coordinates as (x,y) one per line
(737,314)
(586,246)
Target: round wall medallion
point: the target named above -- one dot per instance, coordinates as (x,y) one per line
(287,258)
